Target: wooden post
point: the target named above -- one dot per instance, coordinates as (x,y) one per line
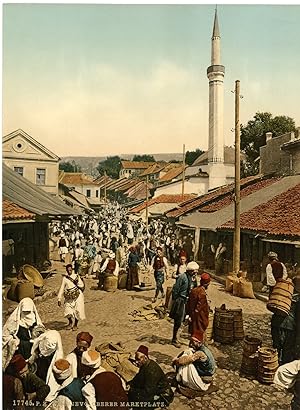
(183,170)
(147,202)
(237,196)
(105,188)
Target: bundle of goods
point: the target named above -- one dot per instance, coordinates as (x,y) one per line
(250,355)
(267,364)
(228,325)
(27,284)
(239,286)
(281,297)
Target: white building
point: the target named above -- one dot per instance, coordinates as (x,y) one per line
(30,159)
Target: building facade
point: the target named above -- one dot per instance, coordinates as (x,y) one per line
(32,160)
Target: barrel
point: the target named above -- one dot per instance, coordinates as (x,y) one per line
(249,364)
(238,326)
(223,326)
(280,299)
(251,345)
(110,283)
(210,328)
(122,280)
(24,289)
(11,294)
(267,364)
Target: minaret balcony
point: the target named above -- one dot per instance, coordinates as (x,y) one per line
(216,69)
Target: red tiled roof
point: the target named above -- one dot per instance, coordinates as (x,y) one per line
(153,169)
(136,164)
(250,189)
(279,216)
(172,173)
(211,197)
(76,178)
(11,211)
(163,199)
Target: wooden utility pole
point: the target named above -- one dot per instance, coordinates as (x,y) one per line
(105,187)
(147,202)
(237,195)
(183,170)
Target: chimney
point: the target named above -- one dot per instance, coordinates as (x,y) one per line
(268,136)
(298,132)
(292,136)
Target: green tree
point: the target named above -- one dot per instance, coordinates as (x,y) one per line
(144,158)
(111,165)
(68,166)
(253,136)
(191,156)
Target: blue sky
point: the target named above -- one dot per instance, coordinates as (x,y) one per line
(111,79)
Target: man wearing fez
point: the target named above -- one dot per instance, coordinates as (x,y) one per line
(83,343)
(150,384)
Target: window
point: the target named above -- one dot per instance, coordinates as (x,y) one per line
(97,193)
(19,170)
(88,193)
(40,176)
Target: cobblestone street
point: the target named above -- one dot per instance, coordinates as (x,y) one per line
(109,320)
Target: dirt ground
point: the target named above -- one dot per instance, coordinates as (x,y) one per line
(109,320)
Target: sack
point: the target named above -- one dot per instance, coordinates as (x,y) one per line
(236,288)
(71,295)
(246,289)
(230,279)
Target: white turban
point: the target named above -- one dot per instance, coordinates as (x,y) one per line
(192,266)
(91,358)
(62,369)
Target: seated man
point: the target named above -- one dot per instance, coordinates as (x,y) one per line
(34,388)
(69,390)
(195,368)
(102,386)
(150,384)
(12,386)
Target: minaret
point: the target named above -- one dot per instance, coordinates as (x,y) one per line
(215,74)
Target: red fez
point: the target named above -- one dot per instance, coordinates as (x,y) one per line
(182,253)
(143,349)
(85,337)
(159,248)
(69,265)
(18,363)
(205,279)
(197,336)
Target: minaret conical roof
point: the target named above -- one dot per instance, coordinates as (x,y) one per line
(216,31)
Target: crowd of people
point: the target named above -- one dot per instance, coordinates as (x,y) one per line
(37,371)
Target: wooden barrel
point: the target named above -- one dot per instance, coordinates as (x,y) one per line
(251,345)
(223,326)
(249,364)
(208,336)
(238,326)
(267,364)
(122,280)
(24,289)
(110,283)
(281,297)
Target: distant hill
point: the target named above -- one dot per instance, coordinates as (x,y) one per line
(88,164)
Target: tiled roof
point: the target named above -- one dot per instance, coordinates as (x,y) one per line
(250,189)
(76,178)
(102,180)
(11,211)
(165,198)
(153,169)
(211,197)
(172,173)
(136,164)
(279,216)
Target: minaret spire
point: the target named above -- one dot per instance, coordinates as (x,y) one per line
(216,31)
(215,74)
